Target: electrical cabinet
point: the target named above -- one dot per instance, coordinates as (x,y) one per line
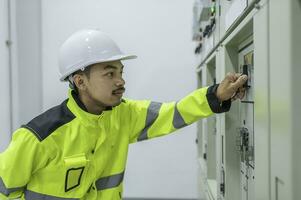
(250,152)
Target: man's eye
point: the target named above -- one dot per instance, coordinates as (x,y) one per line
(110,74)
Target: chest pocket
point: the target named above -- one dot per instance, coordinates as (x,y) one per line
(75,169)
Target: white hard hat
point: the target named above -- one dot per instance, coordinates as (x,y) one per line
(87,47)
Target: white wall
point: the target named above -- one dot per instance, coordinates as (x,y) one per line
(159,32)
(27,58)
(21,98)
(5,116)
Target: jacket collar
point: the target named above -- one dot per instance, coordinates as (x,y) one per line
(80,111)
(78,108)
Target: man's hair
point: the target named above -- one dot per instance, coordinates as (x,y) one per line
(85,72)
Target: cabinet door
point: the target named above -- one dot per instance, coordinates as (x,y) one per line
(285,98)
(246,128)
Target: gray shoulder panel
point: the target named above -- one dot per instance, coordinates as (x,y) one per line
(46,123)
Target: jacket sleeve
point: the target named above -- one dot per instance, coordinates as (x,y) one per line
(22,158)
(153,119)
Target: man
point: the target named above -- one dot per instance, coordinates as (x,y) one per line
(78,150)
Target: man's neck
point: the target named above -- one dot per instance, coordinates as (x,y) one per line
(91,105)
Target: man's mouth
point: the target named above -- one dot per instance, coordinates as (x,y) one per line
(118,91)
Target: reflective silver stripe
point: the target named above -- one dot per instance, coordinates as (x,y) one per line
(178,121)
(152,115)
(6,191)
(109,181)
(30,195)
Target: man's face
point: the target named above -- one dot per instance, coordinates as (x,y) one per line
(105,86)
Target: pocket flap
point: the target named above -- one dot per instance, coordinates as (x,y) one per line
(74,161)
(75,166)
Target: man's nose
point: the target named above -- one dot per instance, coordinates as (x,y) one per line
(120,82)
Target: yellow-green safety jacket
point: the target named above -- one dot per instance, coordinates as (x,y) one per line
(68,153)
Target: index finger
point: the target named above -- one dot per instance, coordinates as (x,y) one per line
(239,82)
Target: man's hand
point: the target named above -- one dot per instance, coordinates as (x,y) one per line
(231,87)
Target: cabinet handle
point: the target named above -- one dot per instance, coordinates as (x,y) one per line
(277,181)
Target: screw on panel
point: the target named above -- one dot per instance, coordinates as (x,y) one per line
(8,43)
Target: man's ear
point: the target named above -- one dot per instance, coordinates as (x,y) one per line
(79,81)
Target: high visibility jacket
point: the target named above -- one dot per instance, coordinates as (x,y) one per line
(68,153)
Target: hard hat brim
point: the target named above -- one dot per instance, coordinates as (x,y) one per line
(94,61)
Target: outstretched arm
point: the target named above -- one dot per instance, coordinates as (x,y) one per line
(153,119)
